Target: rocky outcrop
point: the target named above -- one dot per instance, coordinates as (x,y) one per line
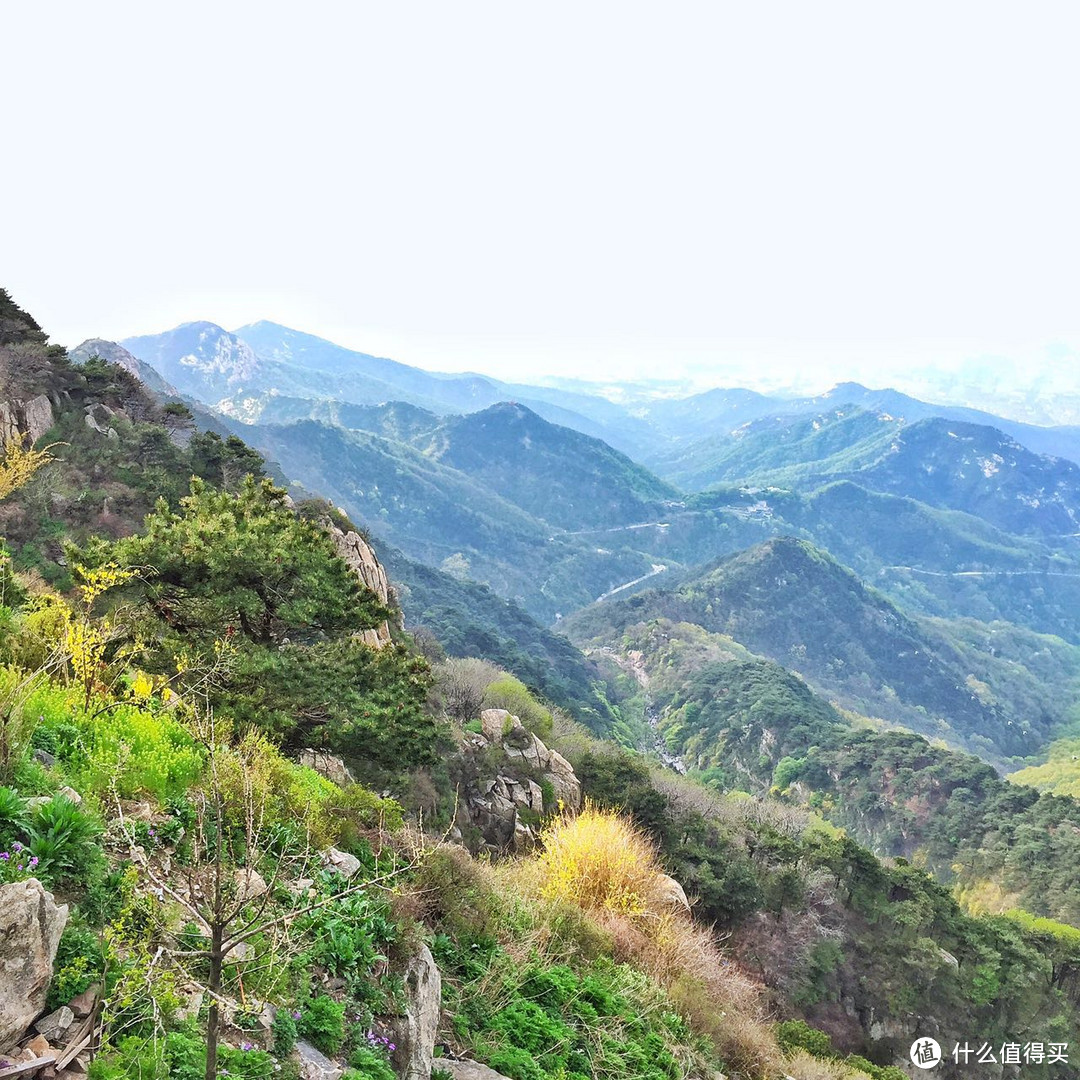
(414,1031)
(668,891)
(25,421)
(347,865)
(504,800)
(31,923)
(328,765)
(313,1064)
(99,418)
(470,1070)
(358,556)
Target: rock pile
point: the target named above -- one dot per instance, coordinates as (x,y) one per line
(517,780)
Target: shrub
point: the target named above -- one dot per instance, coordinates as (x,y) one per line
(246,1062)
(455,891)
(370,1061)
(186,1056)
(322,1023)
(512,695)
(63,839)
(516,1064)
(598,860)
(79,963)
(348,937)
(793,1035)
(460,686)
(283,1030)
(13,816)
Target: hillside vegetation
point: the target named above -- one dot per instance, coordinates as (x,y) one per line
(253,800)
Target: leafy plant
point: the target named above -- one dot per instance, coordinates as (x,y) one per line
(63,838)
(322,1022)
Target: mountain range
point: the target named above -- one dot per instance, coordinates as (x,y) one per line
(894,518)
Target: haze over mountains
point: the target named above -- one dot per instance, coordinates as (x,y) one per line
(905,558)
(861,620)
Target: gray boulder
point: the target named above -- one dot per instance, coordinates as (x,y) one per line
(313,1064)
(414,1031)
(470,1070)
(31,923)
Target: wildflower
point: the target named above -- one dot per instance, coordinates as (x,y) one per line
(16,846)
(245,1046)
(5,855)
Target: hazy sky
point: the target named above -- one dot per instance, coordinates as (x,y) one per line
(579,189)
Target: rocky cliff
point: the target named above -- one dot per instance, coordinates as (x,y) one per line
(25,421)
(359,557)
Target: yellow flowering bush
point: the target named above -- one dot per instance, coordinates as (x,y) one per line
(137,752)
(18,465)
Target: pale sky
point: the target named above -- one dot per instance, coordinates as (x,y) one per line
(589,189)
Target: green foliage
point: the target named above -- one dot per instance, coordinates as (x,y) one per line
(348,938)
(787,771)
(795,1035)
(322,1022)
(370,1063)
(249,1064)
(284,1031)
(241,586)
(556,1021)
(244,563)
(79,963)
(63,839)
(13,816)
(512,695)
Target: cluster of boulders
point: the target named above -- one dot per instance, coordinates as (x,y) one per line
(513,781)
(53,1046)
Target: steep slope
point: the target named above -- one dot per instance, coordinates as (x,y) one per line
(561,476)
(469,619)
(445,518)
(785,451)
(295,349)
(117,354)
(714,414)
(742,722)
(951,465)
(983,472)
(702,416)
(793,603)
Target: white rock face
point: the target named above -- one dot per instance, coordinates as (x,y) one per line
(314,1064)
(345,864)
(25,421)
(31,923)
(328,765)
(506,807)
(358,556)
(249,884)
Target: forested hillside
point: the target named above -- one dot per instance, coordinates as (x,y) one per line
(296,839)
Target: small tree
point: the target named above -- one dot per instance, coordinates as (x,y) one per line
(246,570)
(217,882)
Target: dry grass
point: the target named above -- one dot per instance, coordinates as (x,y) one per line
(803,1066)
(600,862)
